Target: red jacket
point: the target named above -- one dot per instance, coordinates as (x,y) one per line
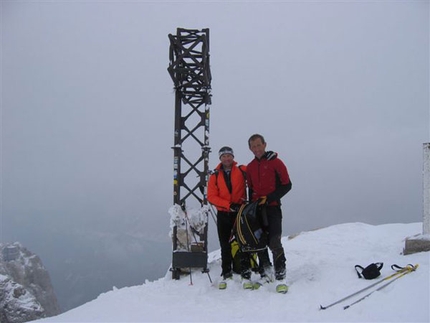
(269,177)
(218,192)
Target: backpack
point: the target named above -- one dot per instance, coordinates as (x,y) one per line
(236,254)
(370,272)
(248,230)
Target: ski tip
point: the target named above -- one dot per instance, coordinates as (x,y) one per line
(282,288)
(222,286)
(322,307)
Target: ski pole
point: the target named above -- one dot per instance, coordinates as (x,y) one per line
(212,212)
(399,272)
(407,271)
(209,276)
(187,223)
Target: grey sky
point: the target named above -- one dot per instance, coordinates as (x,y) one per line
(340,89)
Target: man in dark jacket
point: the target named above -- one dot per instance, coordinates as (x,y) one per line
(268,181)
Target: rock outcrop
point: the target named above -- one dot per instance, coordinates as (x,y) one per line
(26,292)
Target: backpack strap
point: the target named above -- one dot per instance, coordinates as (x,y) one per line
(358,266)
(216,173)
(243,172)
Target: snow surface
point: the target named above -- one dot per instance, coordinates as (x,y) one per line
(321,271)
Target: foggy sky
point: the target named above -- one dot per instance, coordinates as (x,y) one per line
(339,89)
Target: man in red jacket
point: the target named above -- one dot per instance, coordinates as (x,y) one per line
(268,181)
(227,191)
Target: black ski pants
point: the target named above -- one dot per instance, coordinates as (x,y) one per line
(225,224)
(272,225)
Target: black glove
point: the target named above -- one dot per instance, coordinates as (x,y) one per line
(234,207)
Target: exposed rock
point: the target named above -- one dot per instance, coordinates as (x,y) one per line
(26,290)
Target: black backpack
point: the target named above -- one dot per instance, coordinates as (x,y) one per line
(248,230)
(237,253)
(370,272)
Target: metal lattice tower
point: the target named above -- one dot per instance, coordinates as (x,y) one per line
(190,71)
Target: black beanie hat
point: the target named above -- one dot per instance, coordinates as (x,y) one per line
(225,150)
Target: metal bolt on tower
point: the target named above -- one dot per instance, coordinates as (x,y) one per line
(189,69)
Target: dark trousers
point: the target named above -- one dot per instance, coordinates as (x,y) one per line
(272,223)
(225,224)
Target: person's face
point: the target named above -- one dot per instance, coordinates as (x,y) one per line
(227,160)
(257,147)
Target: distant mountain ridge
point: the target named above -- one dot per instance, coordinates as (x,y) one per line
(26,290)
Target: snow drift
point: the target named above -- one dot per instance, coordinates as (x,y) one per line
(321,270)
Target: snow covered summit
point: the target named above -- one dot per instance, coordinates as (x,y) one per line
(321,271)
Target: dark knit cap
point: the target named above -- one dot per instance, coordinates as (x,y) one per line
(225,150)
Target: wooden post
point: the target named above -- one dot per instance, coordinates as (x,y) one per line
(421,242)
(426,189)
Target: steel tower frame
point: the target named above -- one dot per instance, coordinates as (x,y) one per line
(189,69)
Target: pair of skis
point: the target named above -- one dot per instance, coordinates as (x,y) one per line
(281,288)
(400,272)
(248,284)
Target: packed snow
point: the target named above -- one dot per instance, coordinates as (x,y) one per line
(321,271)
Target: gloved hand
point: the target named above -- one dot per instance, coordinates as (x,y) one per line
(234,207)
(262,200)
